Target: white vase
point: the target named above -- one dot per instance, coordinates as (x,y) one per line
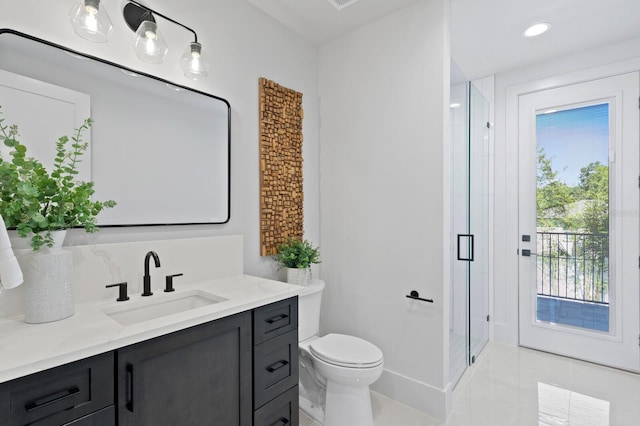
(48,276)
(298,276)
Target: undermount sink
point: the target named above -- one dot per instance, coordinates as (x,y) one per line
(145,310)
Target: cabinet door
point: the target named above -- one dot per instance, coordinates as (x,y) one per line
(104,417)
(59,395)
(275,367)
(282,411)
(194,377)
(275,319)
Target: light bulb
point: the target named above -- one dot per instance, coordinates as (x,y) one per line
(194,63)
(90,21)
(149,44)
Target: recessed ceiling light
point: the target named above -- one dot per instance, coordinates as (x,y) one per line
(536,29)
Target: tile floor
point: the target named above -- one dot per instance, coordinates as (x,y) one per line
(518,386)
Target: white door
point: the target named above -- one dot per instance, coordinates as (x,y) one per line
(578,221)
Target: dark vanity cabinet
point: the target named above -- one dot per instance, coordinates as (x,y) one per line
(238,370)
(193,377)
(79,394)
(275,364)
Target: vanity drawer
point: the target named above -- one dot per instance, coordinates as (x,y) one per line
(104,417)
(275,367)
(280,412)
(275,319)
(59,395)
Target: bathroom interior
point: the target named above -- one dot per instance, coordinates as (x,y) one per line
(410,171)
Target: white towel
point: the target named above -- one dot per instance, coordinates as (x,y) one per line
(10,272)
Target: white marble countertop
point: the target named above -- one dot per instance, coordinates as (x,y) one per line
(29,348)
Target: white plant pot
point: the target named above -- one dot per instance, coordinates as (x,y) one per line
(298,276)
(48,276)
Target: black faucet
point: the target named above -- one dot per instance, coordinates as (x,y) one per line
(147,279)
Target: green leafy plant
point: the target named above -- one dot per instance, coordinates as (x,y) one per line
(297,254)
(36,202)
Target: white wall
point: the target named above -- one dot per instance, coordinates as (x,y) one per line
(597,63)
(384,92)
(243,44)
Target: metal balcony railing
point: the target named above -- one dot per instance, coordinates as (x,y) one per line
(573,266)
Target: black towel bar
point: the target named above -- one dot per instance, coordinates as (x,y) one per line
(416,296)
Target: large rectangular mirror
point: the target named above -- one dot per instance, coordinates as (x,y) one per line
(161,151)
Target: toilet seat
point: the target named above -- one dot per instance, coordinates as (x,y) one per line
(346,351)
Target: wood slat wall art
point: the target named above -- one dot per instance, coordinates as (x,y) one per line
(281,195)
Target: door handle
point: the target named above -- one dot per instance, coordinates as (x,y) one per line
(52,399)
(276,318)
(129,388)
(277,365)
(471,237)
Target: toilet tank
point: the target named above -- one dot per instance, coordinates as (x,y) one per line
(309,301)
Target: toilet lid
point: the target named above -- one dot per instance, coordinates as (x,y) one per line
(347,351)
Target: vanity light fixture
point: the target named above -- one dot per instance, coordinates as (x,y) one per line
(536,29)
(150,46)
(90,21)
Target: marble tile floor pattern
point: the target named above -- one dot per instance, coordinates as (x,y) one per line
(519,386)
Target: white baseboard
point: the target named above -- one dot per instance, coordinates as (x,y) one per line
(418,395)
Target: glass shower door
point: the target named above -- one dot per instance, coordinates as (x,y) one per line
(479,126)
(469,327)
(459,312)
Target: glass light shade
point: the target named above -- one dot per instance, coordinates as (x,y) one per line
(194,63)
(90,21)
(149,44)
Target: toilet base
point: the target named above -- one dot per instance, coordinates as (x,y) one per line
(348,405)
(313,411)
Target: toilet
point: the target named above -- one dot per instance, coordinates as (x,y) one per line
(335,370)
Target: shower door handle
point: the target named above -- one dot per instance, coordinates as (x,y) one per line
(471,247)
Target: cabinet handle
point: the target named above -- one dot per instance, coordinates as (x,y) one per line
(281,422)
(277,318)
(51,399)
(129,390)
(277,365)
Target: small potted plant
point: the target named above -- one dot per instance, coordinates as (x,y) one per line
(297,256)
(38,203)
(43,205)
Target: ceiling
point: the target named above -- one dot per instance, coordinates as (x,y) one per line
(319,21)
(485,34)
